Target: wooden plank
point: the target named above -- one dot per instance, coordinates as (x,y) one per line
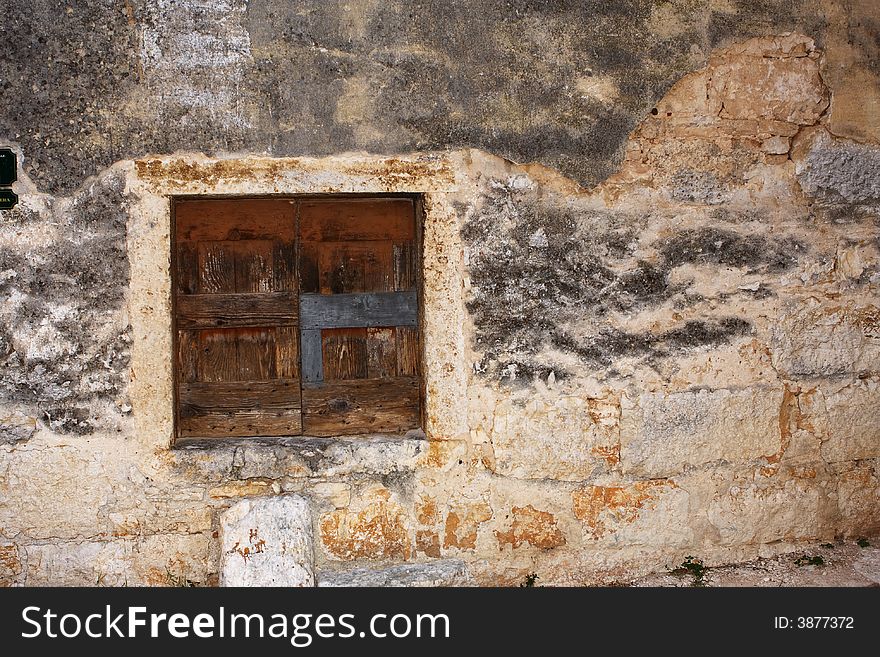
(216,267)
(403,265)
(308,268)
(284,264)
(408,351)
(373,310)
(218,356)
(187,268)
(286,352)
(200,398)
(234,219)
(256,354)
(226,310)
(381,353)
(187,356)
(251,423)
(361,406)
(344,353)
(357,219)
(348,267)
(254,266)
(312,356)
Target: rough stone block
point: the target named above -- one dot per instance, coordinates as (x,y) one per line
(436,573)
(661,434)
(837,169)
(812,339)
(533,526)
(267,542)
(568,438)
(758,513)
(781,89)
(650,512)
(377,527)
(853,423)
(858,499)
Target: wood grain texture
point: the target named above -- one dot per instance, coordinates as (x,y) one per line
(403,259)
(312,355)
(349,267)
(356,219)
(216,310)
(256,353)
(372,310)
(187,268)
(308,268)
(242,424)
(409,353)
(217,356)
(254,266)
(361,406)
(234,219)
(344,353)
(200,398)
(188,356)
(381,353)
(287,352)
(216,267)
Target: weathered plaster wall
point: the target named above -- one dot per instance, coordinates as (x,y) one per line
(683,359)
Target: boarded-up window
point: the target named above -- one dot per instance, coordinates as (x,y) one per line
(296,316)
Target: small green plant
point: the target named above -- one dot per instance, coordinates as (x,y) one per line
(863,543)
(529,580)
(693,567)
(179,580)
(806,560)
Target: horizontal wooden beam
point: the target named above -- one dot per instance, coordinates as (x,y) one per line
(200,398)
(236,310)
(361,406)
(242,424)
(372,310)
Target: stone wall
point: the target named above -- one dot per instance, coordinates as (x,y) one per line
(658,335)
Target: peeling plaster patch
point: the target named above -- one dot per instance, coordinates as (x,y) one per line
(840,170)
(64,339)
(195,55)
(544,275)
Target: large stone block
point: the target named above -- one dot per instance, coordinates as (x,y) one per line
(814,339)
(837,169)
(798,509)
(567,438)
(375,527)
(436,573)
(858,499)
(267,542)
(853,423)
(768,82)
(662,434)
(653,512)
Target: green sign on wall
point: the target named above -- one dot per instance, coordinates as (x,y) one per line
(8,199)
(8,166)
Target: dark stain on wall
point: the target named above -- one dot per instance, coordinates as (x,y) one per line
(90,82)
(550,276)
(61,343)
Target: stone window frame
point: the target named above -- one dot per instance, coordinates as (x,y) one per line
(154,182)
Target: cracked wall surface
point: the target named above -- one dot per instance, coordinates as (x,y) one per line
(651,281)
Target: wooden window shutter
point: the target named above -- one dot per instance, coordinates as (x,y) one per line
(237,327)
(296,317)
(359,308)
